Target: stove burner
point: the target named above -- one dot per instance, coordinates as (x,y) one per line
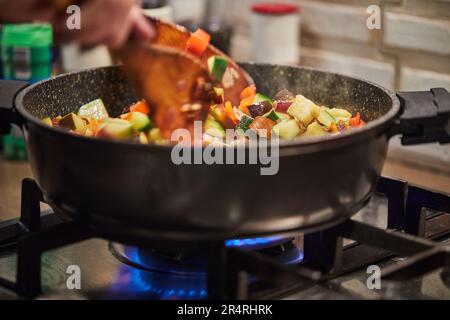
(195,265)
(244,268)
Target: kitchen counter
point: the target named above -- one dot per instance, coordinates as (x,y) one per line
(12,173)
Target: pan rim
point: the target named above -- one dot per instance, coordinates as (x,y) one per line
(379,123)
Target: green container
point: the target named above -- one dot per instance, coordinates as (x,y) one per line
(26,54)
(26,51)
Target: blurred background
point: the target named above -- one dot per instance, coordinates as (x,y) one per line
(411,51)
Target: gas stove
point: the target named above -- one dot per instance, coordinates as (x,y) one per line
(403,231)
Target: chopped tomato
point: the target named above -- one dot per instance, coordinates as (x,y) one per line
(141,106)
(230,113)
(198,42)
(249,91)
(262,126)
(355,122)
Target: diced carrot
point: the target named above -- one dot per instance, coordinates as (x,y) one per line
(249,91)
(245,103)
(198,42)
(93,126)
(126,116)
(230,113)
(355,121)
(141,106)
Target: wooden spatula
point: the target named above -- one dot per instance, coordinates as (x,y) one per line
(175,84)
(175,36)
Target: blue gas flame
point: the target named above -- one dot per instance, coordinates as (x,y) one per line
(169,286)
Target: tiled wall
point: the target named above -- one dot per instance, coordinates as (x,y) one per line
(411,52)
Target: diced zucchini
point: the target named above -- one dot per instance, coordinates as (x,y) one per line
(287,129)
(283,116)
(217,66)
(72,122)
(260,97)
(155,135)
(325,118)
(48,121)
(116,128)
(244,123)
(143,139)
(315,129)
(213,128)
(272,115)
(217,113)
(140,121)
(304,110)
(94,109)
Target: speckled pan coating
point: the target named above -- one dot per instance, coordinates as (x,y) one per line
(68,92)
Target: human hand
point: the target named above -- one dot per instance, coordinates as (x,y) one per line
(108,22)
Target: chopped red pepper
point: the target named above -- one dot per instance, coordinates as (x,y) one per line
(230,113)
(141,106)
(249,91)
(198,42)
(355,122)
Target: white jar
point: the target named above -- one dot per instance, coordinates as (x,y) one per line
(275,33)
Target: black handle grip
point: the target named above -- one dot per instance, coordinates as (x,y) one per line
(425,117)
(8,91)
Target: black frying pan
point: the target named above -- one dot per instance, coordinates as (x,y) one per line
(135,192)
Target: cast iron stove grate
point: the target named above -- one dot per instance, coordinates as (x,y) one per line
(415,216)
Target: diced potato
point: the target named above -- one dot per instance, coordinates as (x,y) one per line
(315,129)
(94,109)
(48,121)
(287,129)
(72,122)
(304,110)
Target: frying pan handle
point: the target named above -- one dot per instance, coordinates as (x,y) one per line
(8,91)
(425,117)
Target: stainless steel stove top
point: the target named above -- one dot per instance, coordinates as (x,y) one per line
(103,276)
